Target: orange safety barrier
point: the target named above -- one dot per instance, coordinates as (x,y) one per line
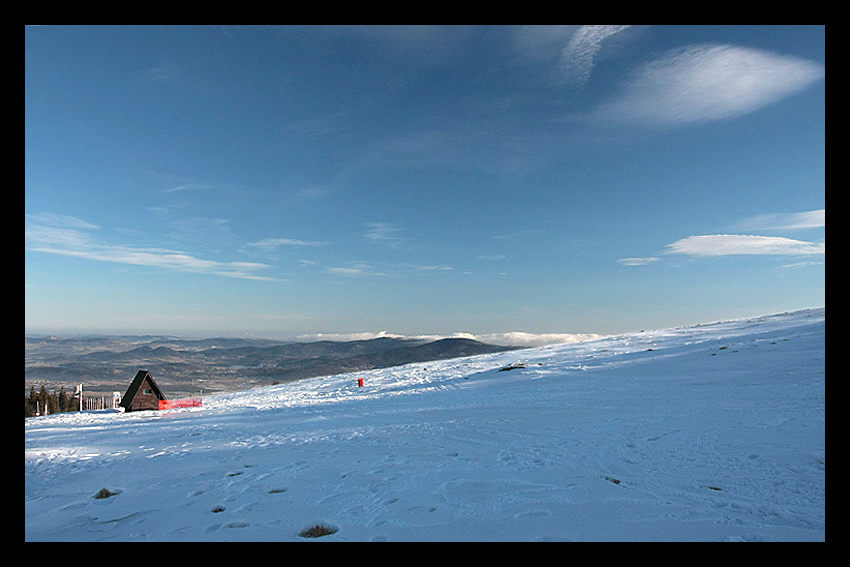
(186,403)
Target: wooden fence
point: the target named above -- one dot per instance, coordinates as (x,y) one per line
(100,402)
(92,403)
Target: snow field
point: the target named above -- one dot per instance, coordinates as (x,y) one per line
(707,433)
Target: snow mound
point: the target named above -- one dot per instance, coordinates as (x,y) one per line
(712,433)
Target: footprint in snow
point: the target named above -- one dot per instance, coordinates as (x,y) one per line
(236,525)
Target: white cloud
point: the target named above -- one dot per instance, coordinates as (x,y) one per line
(362,269)
(194,187)
(270,244)
(42,234)
(702,83)
(426,267)
(785,221)
(343,337)
(577,58)
(803,264)
(519,338)
(735,244)
(542,42)
(59,221)
(355,270)
(512,338)
(383,233)
(637,261)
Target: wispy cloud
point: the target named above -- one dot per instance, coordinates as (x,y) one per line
(356,270)
(577,58)
(59,221)
(516,235)
(69,236)
(702,83)
(194,187)
(383,233)
(738,244)
(542,42)
(802,265)
(362,269)
(785,221)
(425,267)
(637,261)
(271,244)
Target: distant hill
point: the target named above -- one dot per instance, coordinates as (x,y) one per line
(326,358)
(183,366)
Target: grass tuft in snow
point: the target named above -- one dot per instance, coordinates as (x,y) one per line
(104,493)
(318,530)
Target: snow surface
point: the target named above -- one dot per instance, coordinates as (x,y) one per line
(714,433)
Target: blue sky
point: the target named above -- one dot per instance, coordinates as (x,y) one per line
(347,181)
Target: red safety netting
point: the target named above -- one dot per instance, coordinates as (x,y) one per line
(185,403)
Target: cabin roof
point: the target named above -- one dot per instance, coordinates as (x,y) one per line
(141,375)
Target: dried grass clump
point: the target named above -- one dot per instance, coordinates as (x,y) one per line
(105,493)
(317,530)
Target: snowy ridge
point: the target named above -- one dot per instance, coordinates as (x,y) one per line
(714,432)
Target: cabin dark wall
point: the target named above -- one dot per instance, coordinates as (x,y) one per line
(145,401)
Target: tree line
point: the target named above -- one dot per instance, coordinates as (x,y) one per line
(44,402)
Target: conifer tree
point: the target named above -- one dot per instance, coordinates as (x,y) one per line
(43,397)
(63,399)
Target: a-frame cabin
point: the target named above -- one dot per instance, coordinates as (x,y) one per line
(143,393)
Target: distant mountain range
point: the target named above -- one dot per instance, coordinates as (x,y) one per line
(182,366)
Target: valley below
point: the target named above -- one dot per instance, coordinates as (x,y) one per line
(189,367)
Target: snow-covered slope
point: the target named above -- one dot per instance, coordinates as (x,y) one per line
(714,432)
